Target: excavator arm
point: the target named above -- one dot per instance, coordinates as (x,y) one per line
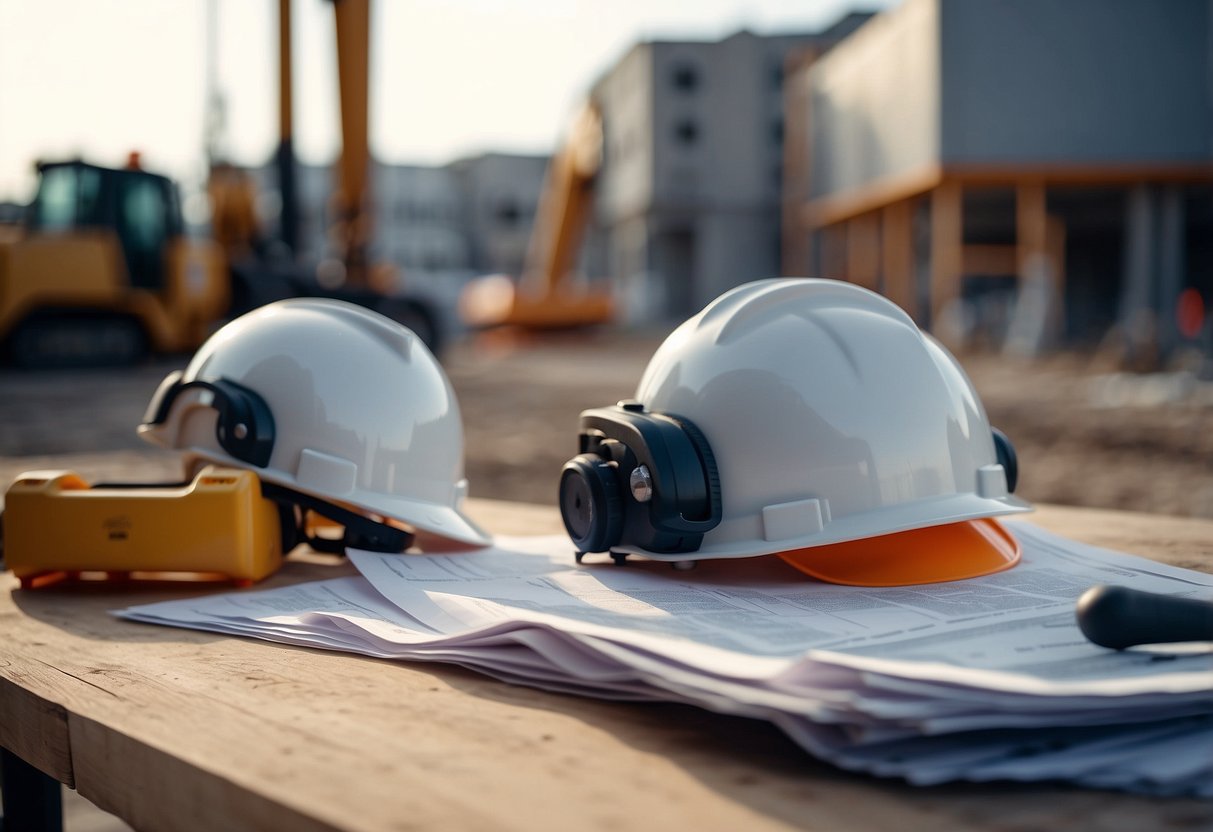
(353,231)
(543,297)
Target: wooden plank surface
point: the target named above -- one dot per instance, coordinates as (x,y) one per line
(174,729)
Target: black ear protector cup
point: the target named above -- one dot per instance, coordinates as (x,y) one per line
(713,510)
(360,532)
(590,503)
(1005,452)
(245,427)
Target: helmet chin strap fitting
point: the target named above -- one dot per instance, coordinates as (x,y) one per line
(360,532)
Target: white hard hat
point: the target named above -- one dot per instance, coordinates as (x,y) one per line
(332,400)
(787,417)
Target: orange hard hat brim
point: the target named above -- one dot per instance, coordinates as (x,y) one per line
(951,552)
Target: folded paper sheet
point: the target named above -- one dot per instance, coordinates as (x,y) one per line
(983,679)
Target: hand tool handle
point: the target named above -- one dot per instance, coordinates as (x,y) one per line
(1119,617)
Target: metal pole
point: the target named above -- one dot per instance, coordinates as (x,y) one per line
(288,219)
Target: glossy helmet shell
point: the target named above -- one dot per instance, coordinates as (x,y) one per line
(831,416)
(363,413)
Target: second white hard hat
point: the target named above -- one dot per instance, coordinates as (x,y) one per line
(330,399)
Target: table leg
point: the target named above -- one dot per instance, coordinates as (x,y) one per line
(32,800)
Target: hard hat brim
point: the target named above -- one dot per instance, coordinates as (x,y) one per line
(746,539)
(440,520)
(936,554)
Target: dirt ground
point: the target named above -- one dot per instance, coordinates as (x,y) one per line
(1084,436)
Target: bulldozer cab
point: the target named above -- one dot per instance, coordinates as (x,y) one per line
(141,208)
(103,272)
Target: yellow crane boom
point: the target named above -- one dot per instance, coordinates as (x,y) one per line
(544,297)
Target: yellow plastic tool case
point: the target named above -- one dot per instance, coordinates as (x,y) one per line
(218,526)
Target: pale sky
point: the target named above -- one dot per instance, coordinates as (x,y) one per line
(99,78)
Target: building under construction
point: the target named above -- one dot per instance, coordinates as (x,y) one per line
(1036,170)
(687,201)
(472,215)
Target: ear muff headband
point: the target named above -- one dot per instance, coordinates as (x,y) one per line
(245,427)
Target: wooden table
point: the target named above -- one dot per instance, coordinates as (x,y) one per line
(175,729)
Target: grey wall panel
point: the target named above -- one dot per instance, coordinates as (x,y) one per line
(875,101)
(732,248)
(625,98)
(1079,81)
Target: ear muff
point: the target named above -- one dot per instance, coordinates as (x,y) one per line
(245,425)
(710,509)
(1005,452)
(590,503)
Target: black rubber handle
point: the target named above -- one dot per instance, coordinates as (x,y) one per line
(1118,617)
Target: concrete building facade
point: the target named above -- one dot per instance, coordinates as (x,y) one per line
(418,218)
(499,193)
(688,198)
(1058,153)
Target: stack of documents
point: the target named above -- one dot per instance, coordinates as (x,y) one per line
(986,679)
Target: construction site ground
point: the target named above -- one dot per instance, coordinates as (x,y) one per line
(1085,435)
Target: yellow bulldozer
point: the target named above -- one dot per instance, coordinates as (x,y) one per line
(101,272)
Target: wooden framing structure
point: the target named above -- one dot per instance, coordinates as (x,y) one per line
(895,210)
(876,226)
(867,235)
